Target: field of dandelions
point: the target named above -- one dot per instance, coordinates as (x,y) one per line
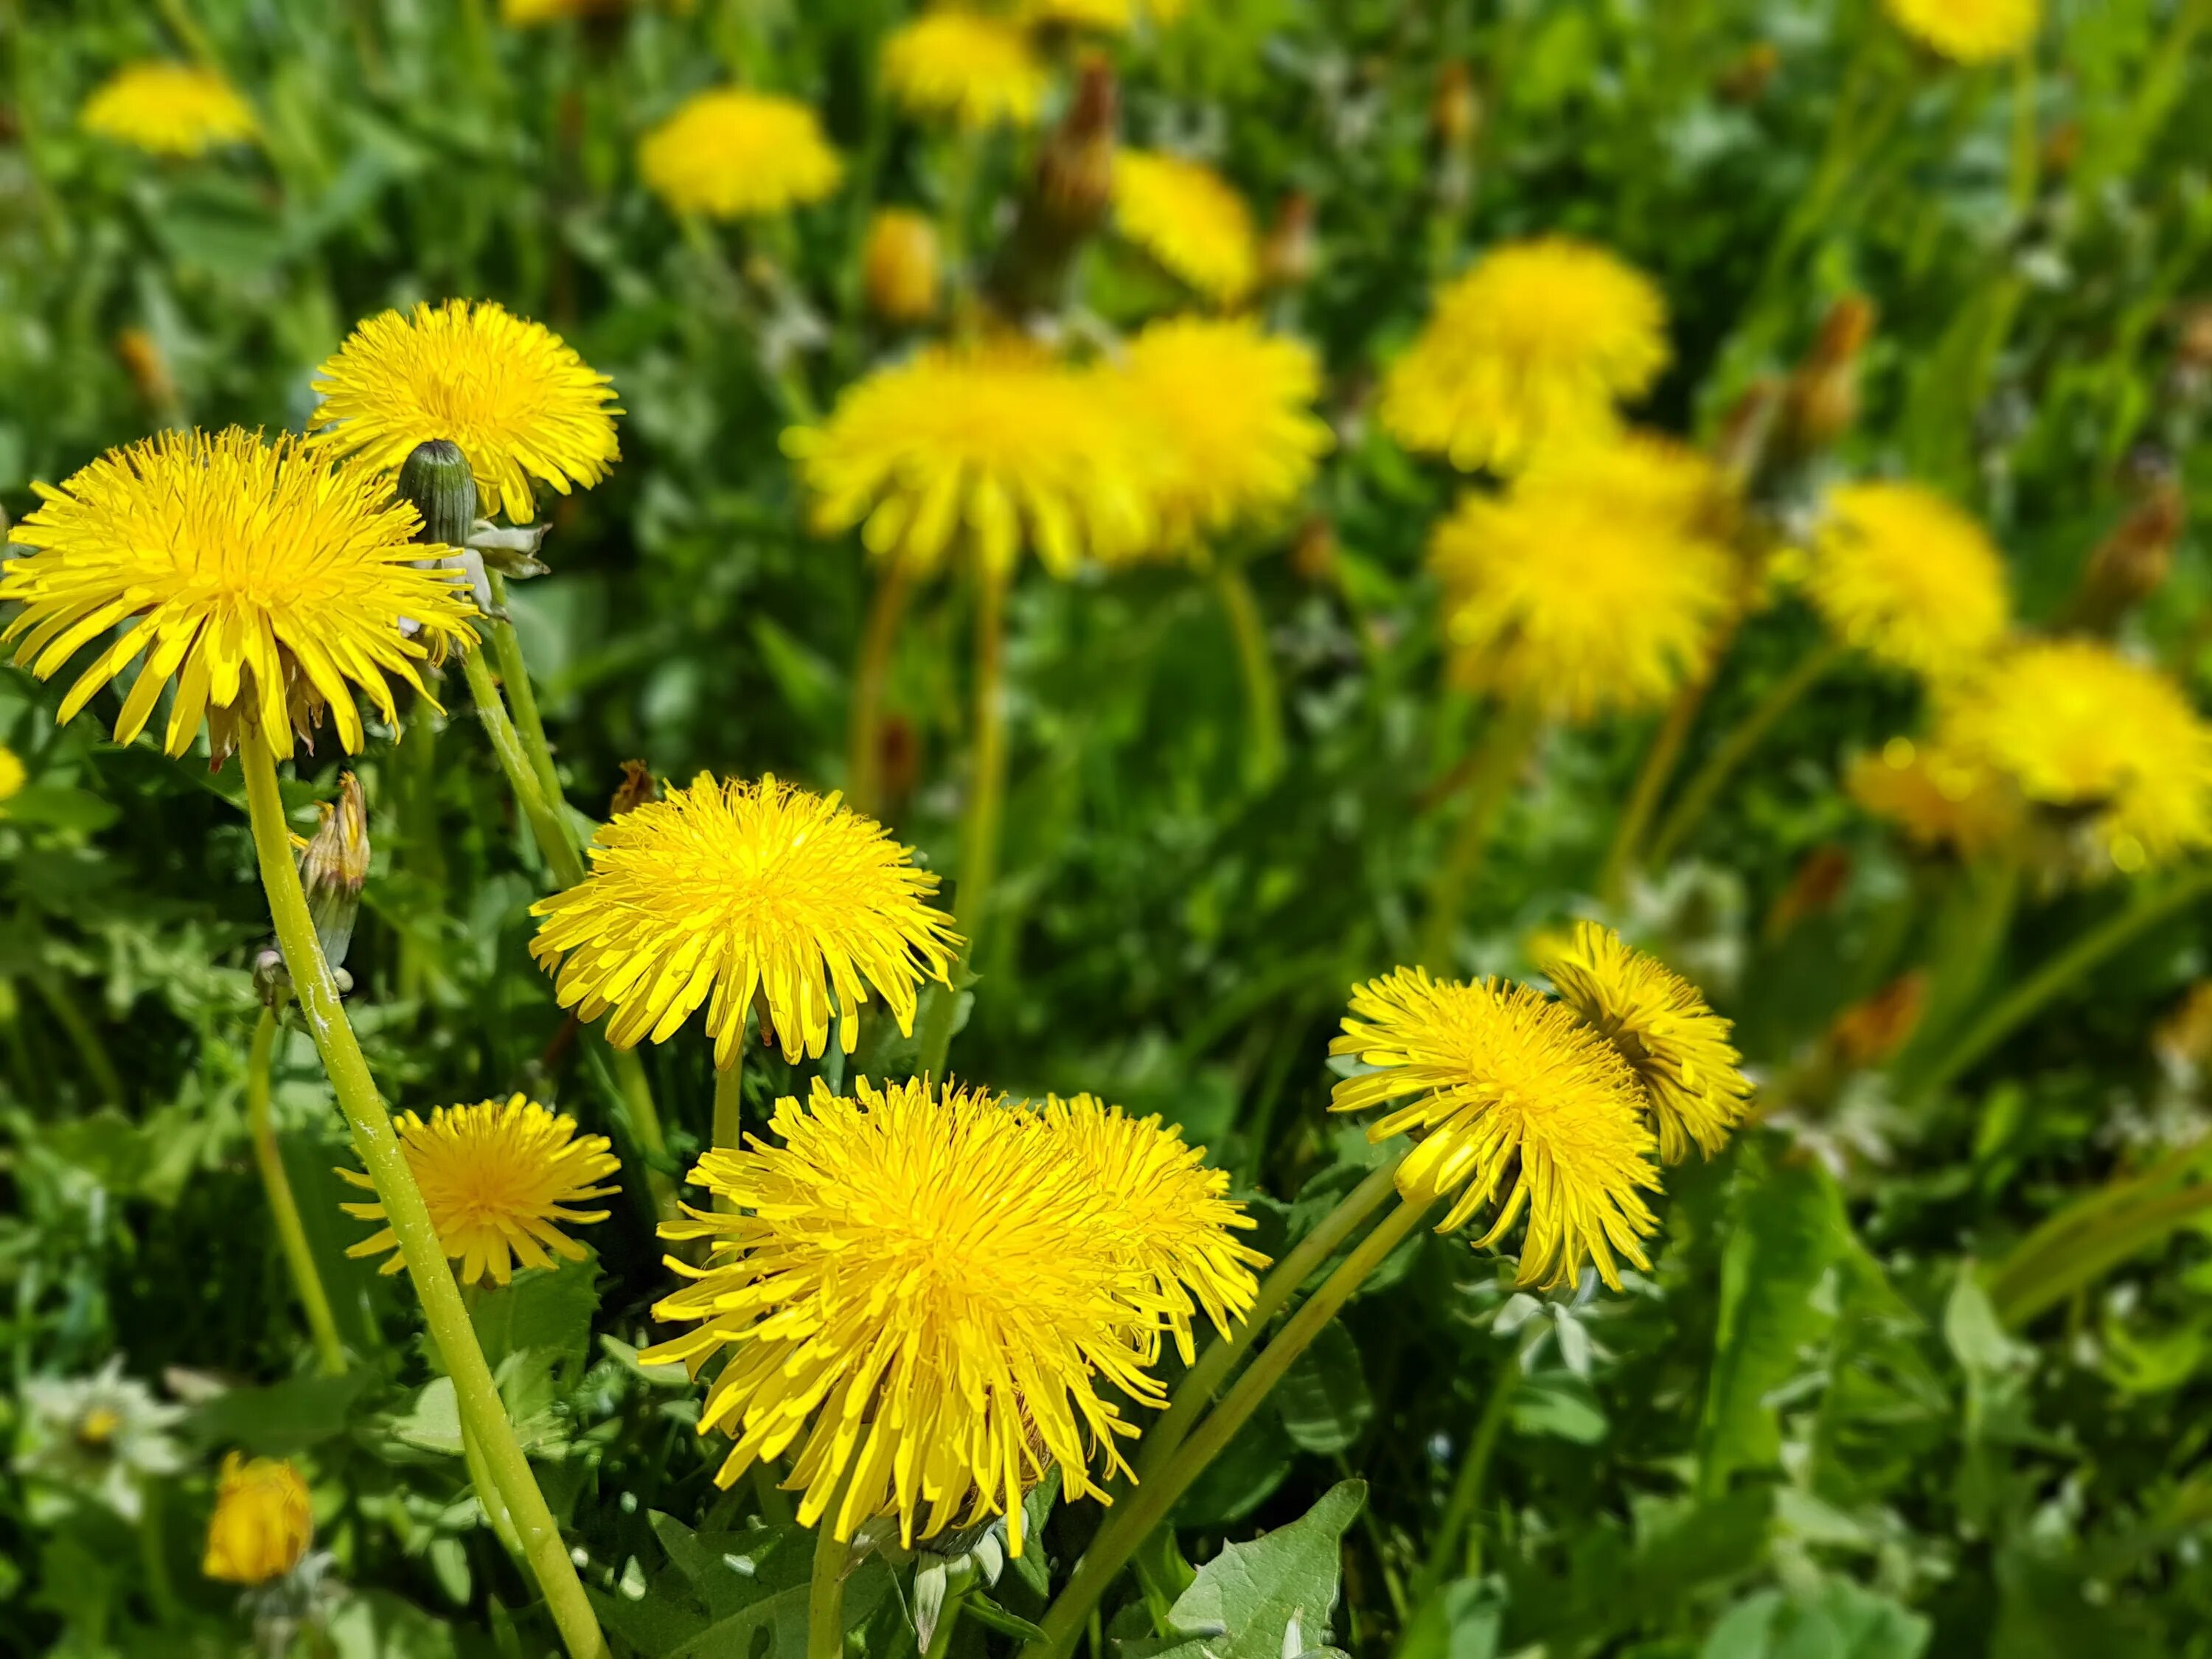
(1105,828)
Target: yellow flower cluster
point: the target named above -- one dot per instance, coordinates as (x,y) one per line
(168,109)
(974,70)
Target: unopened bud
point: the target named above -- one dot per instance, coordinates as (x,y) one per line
(1824,393)
(1746,79)
(1872,1031)
(148,368)
(1739,448)
(637,788)
(1287,259)
(1313,554)
(899,266)
(2133,563)
(334,868)
(1075,173)
(1818,883)
(437,480)
(1455,112)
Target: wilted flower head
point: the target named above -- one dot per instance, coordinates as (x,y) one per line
(1535,345)
(730,889)
(1189,219)
(983,451)
(500,1179)
(263,1522)
(731,155)
(168,109)
(1905,576)
(334,868)
(1595,584)
(1513,1102)
(98,1435)
(1938,797)
(979,71)
(1969,31)
(266,583)
(516,398)
(899,266)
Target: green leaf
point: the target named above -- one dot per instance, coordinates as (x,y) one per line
(1463,1620)
(283,1419)
(1323,1397)
(1842,1621)
(541,1312)
(1560,1405)
(58,806)
(1267,1599)
(1244,1476)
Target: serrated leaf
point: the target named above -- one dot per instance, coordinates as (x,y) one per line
(1252,1594)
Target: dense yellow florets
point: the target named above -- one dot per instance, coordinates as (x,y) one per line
(168,109)
(1189,219)
(731,155)
(1902,575)
(263,1522)
(977,70)
(1970,31)
(1937,798)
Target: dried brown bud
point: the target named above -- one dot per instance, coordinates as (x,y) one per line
(2184,1037)
(898,757)
(2133,563)
(1813,891)
(1744,80)
(899,266)
(1287,259)
(1313,554)
(637,788)
(1823,398)
(1740,448)
(2061,148)
(1874,1030)
(1455,112)
(148,369)
(334,868)
(1075,173)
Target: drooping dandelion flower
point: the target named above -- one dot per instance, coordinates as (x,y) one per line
(168,109)
(101,1436)
(1593,584)
(731,155)
(726,889)
(1901,573)
(1233,407)
(976,70)
(1168,1214)
(1189,219)
(1534,346)
(501,1179)
(1970,31)
(900,264)
(984,450)
(263,1522)
(918,1289)
(1939,799)
(1514,1102)
(1676,1045)
(518,401)
(267,584)
(2076,725)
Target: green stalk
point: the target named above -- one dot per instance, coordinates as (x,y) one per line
(1263,702)
(1133,1520)
(283,1208)
(730,1100)
(1505,743)
(545,827)
(826,1590)
(878,638)
(1622,858)
(1466,1488)
(482,1414)
(515,675)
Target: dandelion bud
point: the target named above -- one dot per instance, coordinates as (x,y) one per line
(1739,449)
(1313,554)
(899,266)
(1818,883)
(334,866)
(148,369)
(2183,1041)
(637,788)
(1823,398)
(1870,1032)
(1744,80)
(262,1522)
(2132,563)
(1075,174)
(1287,259)
(1455,114)
(437,480)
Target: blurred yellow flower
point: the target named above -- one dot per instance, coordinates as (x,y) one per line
(1970,31)
(512,394)
(735,890)
(979,71)
(732,154)
(12,774)
(500,1179)
(1533,346)
(1189,219)
(2076,725)
(1676,1045)
(262,1522)
(521,13)
(899,266)
(261,580)
(981,451)
(168,109)
(920,1288)
(1231,407)
(1113,17)
(1513,1102)
(1938,799)
(1901,573)
(1595,584)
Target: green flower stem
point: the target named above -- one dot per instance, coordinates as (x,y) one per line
(283,1208)
(480,1479)
(826,1590)
(1622,858)
(545,827)
(1505,743)
(515,675)
(645,1124)
(483,1414)
(941,1640)
(1467,1486)
(1734,750)
(1133,1521)
(864,784)
(154,1554)
(730,1099)
(1263,703)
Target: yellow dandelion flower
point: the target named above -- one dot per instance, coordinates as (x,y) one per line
(1621,623)
(522,14)
(920,1288)
(1937,798)
(1189,219)
(1232,407)
(1169,1215)
(1533,346)
(985,450)
(2078,727)
(12,774)
(266,583)
(516,397)
(737,888)
(500,1179)
(731,155)
(1676,1045)
(899,266)
(1514,1102)
(1108,16)
(976,70)
(1970,31)
(262,1522)
(1901,574)
(168,109)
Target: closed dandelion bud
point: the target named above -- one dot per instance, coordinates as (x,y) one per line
(2192,344)
(2061,148)
(1870,1032)
(637,788)
(1814,889)
(262,1522)
(334,866)
(1744,80)
(2183,1041)
(899,266)
(1747,429)
(1455,114)
(2133,563)
(1287,257)
(1824,393)
(148,369)
(1075,174)
(1313,554)
(436,477)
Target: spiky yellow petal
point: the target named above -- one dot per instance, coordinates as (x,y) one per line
(1189,218)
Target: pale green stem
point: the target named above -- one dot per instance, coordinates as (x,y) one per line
(941,1640)
(487,1490)
(1622,859)
(545,827)
(878,638)
(515,675)
(1505,743)
(645,1123)
(1133,1521)
(825,1591)
(1263,703)
(476,1395)
(153,1552)
(283,1208)
(730,1100)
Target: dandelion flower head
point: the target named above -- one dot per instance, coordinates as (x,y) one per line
(1901,573)
(267,584)
(1535,345)
(1676,1045)
(977,70)
(518,401)
(13,775)
(1513,1102)
(1970,31)
(1595,584)
(521,13)
(731,155)
(501,1179)
(899,266)
(262,1522)
(168,109)
(728,889)
(920,1288)
(1108,16)
(983,449)
(1938,797)
(1189,219)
